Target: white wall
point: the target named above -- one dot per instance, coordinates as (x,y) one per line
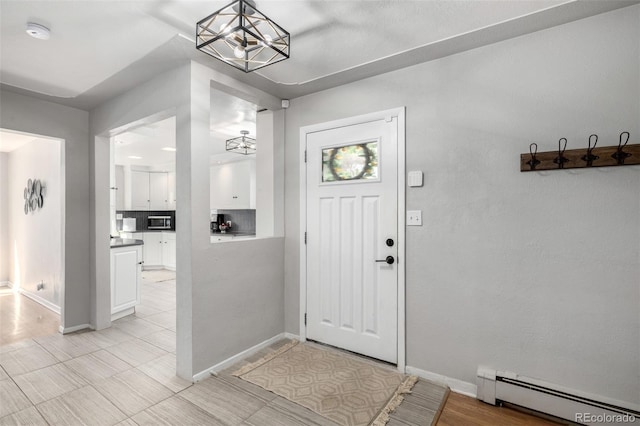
(31,115)
(4,219)
(35,239)
(536,273)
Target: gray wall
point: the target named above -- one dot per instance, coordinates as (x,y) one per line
(4,219)
(238,298)
(237,287)
(536,273)
(219,313)
(32,115)
(159,98)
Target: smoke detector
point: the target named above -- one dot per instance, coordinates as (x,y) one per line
(38,31)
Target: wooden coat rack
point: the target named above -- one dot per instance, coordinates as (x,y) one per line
(621,155)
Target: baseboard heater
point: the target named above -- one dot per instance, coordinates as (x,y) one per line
(495,387)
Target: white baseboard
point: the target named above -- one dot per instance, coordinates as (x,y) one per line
(457,386)
(153,268)
(44,302)
(67,330)
(238,357)
(5,284)
(291,336)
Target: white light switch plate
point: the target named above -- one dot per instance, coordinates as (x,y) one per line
(414,217)
(415,178)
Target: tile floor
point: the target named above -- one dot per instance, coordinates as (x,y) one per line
(125,375)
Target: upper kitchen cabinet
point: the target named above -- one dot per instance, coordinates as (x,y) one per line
(139,190)
(119,170)
(158,191)
(232,185)
(172,199)
(150,191)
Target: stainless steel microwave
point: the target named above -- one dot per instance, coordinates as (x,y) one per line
(159,222)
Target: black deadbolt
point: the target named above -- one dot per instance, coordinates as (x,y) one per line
(389,242)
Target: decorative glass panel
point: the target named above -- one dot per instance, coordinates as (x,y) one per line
(350,162)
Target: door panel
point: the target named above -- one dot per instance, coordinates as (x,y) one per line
(351,211)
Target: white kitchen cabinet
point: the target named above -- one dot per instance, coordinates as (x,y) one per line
(140,195)
(152,249)
(158,191)
(232,185)
(171,192)
(125,280)
(150,191)
(169,250)
(159,250)
(119,172)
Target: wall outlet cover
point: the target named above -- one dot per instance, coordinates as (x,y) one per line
(414,217)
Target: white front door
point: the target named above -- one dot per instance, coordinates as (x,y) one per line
(352,236)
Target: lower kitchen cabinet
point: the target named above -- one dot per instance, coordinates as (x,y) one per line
(125,280)
(169,250)
(152,248)
(159,250)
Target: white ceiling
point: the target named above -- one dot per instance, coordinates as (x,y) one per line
(99,48)
(11,140)
(143,146)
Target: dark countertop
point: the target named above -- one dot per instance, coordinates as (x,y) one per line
(125,242)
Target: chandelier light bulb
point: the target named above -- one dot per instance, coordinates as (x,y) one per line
(239,52)
(267,40)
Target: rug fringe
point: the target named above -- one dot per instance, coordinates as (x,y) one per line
(397,398)
(253,365)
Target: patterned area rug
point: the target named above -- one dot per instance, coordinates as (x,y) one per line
(337,386)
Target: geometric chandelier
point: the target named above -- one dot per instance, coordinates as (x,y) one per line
(242,36)
(242,144)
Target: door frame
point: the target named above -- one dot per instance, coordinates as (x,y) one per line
(360,119)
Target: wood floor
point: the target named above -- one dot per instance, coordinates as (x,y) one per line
(462,410)
(21,318)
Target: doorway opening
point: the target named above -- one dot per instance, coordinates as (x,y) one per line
(143,211)
(32,235)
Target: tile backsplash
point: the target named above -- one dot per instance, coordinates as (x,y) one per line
(241,220)
(141,218)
